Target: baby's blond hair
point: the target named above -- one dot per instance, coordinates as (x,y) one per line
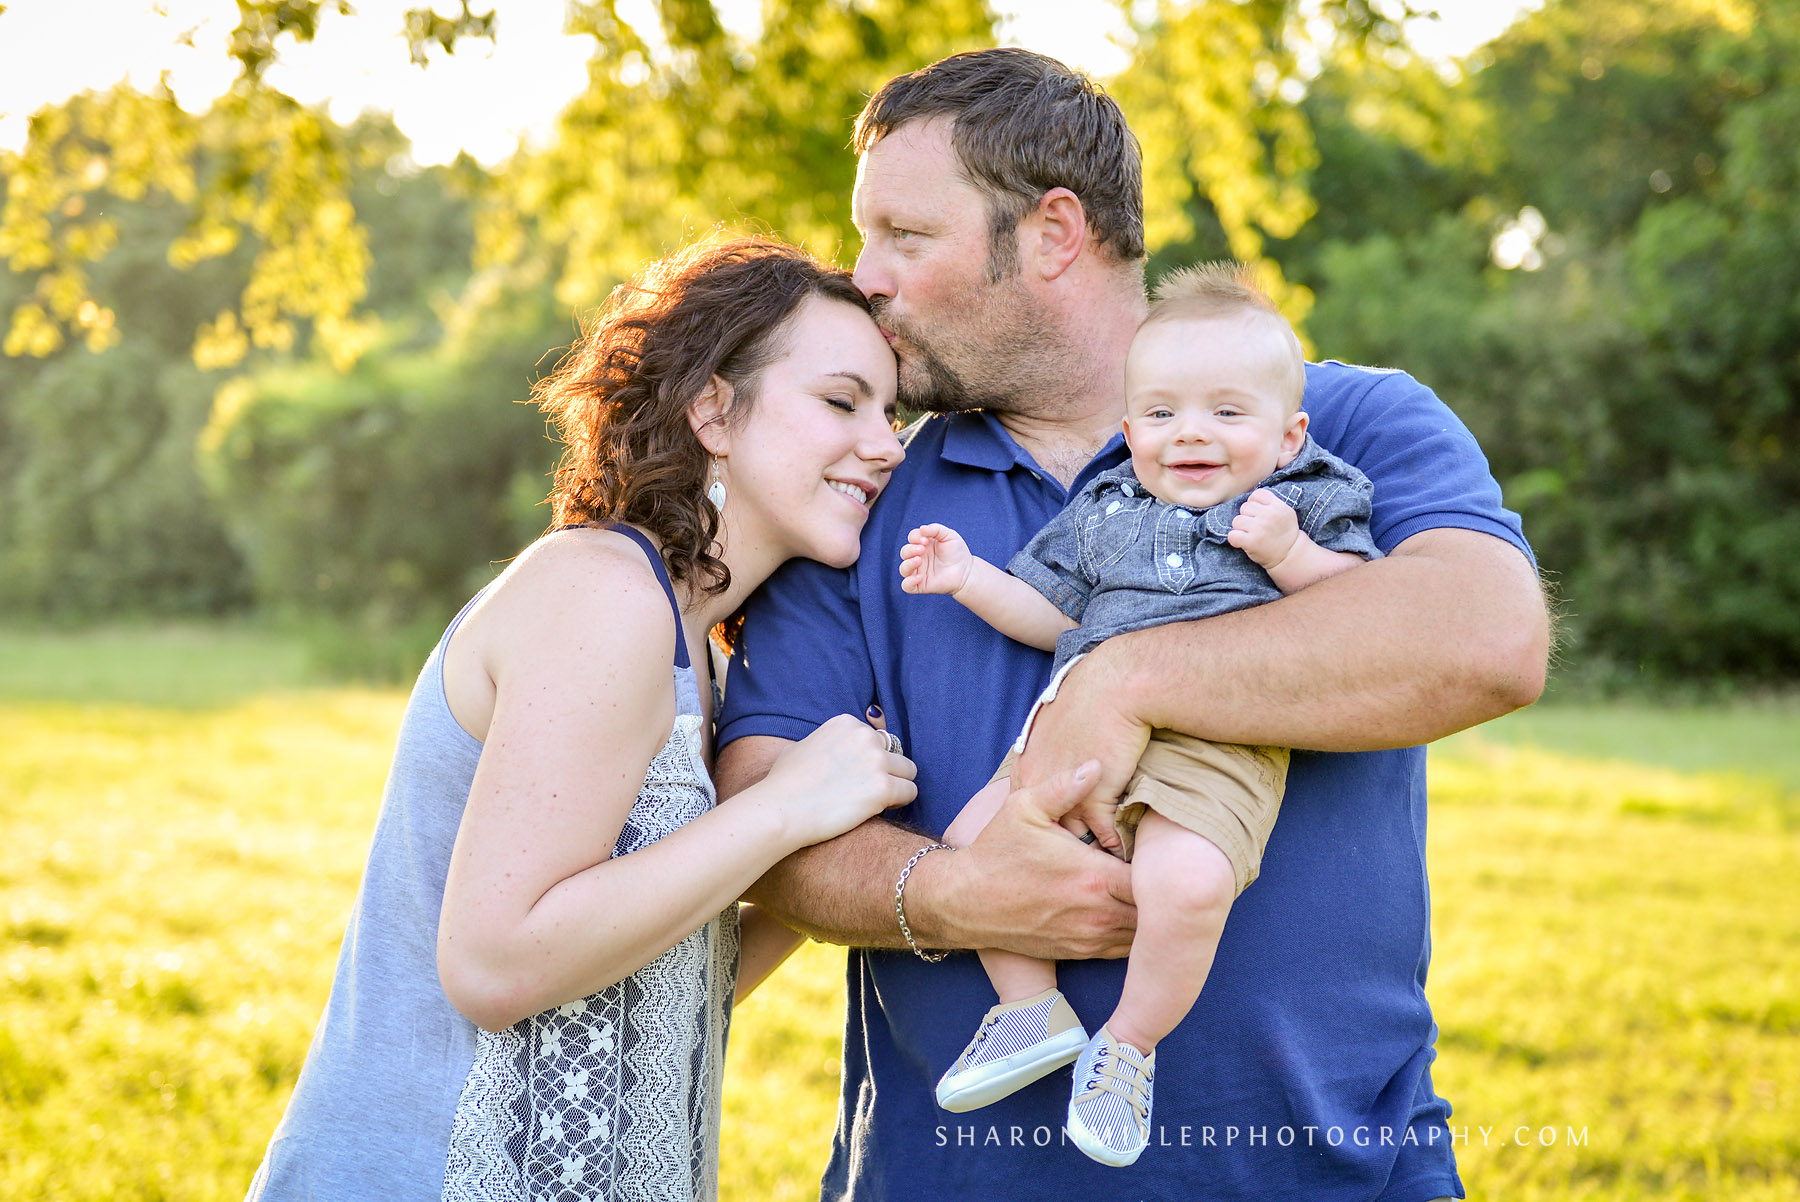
(1219,289)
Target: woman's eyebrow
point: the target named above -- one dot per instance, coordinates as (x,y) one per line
(862,384)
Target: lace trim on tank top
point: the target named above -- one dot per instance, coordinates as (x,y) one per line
(615,1096)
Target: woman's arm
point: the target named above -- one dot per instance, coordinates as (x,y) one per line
(536,911)
(764,944)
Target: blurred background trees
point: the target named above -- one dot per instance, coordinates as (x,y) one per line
(258,359)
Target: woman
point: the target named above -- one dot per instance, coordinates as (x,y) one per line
(521,1009)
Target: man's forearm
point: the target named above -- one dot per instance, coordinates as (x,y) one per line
(841,891)
(1025,884)
(1448,631)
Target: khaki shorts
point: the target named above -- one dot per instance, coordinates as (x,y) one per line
(1227,792)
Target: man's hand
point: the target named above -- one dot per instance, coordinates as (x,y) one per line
(1266,528)
(1086,721)
(1027,885)
(935,559)
(1023,884)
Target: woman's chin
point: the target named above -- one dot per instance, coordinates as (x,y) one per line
(837,552)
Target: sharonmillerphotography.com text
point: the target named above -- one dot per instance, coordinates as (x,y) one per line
(995,1136)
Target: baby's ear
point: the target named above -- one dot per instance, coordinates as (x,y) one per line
(1292,438)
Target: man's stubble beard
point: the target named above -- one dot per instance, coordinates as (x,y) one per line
(1010,344)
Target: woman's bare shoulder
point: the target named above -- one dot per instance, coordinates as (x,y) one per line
(572,595)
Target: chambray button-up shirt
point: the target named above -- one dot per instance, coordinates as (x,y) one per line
(1118,559)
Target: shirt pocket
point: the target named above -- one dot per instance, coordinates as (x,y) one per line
(1174,551)
(1111,530)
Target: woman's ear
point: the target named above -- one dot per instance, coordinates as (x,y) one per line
(706,416)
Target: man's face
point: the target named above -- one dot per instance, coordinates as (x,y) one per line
(924,267)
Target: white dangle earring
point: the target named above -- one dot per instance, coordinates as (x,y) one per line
(715,492)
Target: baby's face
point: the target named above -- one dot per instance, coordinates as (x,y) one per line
(1207,414)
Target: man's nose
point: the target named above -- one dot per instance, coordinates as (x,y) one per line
(871,275)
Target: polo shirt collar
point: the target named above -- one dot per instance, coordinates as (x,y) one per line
(977,439)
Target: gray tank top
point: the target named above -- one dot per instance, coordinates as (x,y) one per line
(614,1096)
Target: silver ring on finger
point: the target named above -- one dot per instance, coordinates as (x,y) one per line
(892,741)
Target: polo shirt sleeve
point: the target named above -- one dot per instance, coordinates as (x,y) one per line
(1427,470)
(1051,562)
(801,658)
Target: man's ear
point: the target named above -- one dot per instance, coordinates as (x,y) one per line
(1292,438)
(1058,232)
(706,416)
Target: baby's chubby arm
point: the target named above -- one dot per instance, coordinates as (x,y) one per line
(1268,531)
(937,560)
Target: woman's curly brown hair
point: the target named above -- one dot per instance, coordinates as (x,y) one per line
(620,397)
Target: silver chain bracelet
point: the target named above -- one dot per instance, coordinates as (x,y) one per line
(900,901)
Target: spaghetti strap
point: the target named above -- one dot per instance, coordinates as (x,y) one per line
(662,576)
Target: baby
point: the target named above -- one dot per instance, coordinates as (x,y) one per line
(1226,503)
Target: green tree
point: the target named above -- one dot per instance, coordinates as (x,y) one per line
(102,508)
(692,126)
(1636,390)
(1214,93)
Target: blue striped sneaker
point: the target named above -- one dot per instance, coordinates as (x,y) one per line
(1018,1042)
(1109,1107)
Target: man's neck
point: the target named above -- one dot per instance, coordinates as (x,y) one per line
(1062,444)
(1066,415)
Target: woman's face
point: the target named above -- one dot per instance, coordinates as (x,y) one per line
(818,443)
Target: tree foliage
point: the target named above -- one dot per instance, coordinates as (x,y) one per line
(1631,369)
(1635,381)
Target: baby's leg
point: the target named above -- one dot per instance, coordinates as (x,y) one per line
(1015,976)
(1184,887)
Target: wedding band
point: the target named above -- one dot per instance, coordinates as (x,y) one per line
(1090,837)
(892,741)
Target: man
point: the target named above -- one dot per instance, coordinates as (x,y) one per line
(999,200)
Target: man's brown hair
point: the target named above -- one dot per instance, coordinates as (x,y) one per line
(1023,124)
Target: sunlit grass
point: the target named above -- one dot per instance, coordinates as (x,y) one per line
(1614,944)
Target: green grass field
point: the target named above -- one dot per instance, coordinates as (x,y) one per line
(1616,918)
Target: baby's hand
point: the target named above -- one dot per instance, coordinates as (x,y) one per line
(1097,817)
(935,559)
(1265,529)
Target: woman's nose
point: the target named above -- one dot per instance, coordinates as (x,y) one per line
(882,447)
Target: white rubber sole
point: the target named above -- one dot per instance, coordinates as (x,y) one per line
(988,1083)
(1094,1149)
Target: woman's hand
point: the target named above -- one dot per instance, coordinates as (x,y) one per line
(935,559)
(836,778)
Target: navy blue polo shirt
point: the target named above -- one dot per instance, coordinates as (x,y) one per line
(1303,1072)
